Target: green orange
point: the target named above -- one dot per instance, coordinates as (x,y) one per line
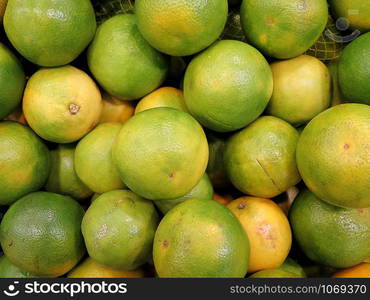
(50,33)
(61,104)
(200,238)
(63,178)
(330,235)
(203,190)
(333,155)
(161,153)
(8,270)
(356,12)
(127,67)
(302,89)
(119,228)
(93,159)
(283,28)
(354,70)
(41,234)
(181,28)
(24,162)
(163,97)
(260,159)
(12,81)
(227,86)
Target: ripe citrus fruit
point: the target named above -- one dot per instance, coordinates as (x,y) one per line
(260,159)
(286,28)
(354,70)
(200,238)
(8,270)
(274,273)
(127,67)
(24,162)
(119,228)
(41,234)
(181,28)
(333,155)
(356,12)
(337,96)
(268,231)
(330,235)
(63,178)
(216,168)
(302,89)
(169,145)
(61,104)
(222,199)
(163,97)
(12,82)
(359,271)
(203,190)
(115,110)
(218,86)
(50,33)
(93,159)
(91,269)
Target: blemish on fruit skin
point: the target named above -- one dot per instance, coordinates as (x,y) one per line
(346,146)
(266,231)
(172,175)
(10,244)
(74,108)
(270,21)
(165,244)
(242,205)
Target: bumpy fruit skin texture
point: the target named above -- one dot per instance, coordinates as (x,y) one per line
(163,97)
(93,159)
(61,104)
(50,33)
(333,155)
(228,86)
(89,268)
(8,270)
(330,235)
(119,228)
(127,67)
(169,145)
(41,234)
(203,190)
(12,82)
(302,89)
(63,178)
(283,28)
(268,230)
(24,162)
(260,159)
(200,238)
(354,70)
(357,12)
(181,27)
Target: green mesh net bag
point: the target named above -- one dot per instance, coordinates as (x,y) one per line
(325,48)
(105,9)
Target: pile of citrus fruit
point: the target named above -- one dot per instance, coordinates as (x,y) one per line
(192,138)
